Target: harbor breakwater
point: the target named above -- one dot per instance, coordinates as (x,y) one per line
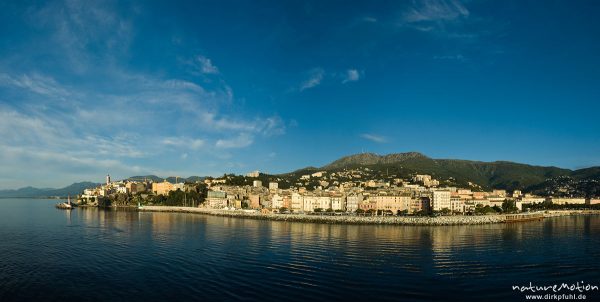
(344,219)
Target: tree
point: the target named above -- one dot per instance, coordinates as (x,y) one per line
(509,206)
(318,210)
(359,211)
(422,213)
(282,209)
(445,211)
(330,210)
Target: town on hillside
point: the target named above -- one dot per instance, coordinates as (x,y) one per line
(334,193)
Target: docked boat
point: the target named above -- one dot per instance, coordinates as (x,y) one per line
(65,205)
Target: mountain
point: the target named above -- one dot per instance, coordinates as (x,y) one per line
(72,190)
(364,159)
(498,174)
(153,178)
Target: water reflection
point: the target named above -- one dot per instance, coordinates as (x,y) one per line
(128,255)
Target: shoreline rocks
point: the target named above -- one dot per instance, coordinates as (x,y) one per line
(377,220)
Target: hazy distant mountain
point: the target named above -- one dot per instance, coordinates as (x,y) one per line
(72,190)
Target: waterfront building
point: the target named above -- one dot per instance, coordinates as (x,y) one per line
(254,201)
(216,199)
(532,199)
(566,200)
(287,201)
(457,204)
(324,202)
(297,202)
(338,203)
(441,200)
(162,188)
(277,201)
(352,202)
(393,203)
(593,201)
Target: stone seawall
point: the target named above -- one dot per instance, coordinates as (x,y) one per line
(395,220)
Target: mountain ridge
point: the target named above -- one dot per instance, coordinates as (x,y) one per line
(497,174)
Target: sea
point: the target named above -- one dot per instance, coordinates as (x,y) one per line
(90,254)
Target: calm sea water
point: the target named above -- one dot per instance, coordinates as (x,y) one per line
(95,255)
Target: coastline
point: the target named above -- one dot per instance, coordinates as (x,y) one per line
(373,220)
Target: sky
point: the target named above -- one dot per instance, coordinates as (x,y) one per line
(181,88)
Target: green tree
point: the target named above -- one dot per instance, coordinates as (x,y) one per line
(509,206)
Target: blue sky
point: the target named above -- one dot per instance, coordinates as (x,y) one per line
(203,88)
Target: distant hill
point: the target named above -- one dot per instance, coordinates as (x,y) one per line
(32,192)
(498,174)
(365,159)
(153,178)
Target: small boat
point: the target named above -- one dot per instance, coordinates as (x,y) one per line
(65,205)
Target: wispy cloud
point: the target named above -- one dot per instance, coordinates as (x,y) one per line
(85,112)
(457,57)
(434,10)
(240,141)
(352,75)
(206,66)
(314,80)
(184,142)
(369,19)
(374,138)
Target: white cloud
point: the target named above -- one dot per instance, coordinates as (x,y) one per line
(435,10)
(240,141)
(314,80)
(184,143)
(352,75)
(206,66)
(457,57)
(34,83)
(374,138)
(369,19)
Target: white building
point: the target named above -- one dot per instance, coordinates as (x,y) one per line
(297,202)
(441,200)
(352,202)
(273,186)
(338,203)
(277,201)
(253,174)
(257,183)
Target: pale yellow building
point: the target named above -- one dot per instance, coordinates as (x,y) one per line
(162,188)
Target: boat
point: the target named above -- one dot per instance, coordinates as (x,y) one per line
(65,205)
